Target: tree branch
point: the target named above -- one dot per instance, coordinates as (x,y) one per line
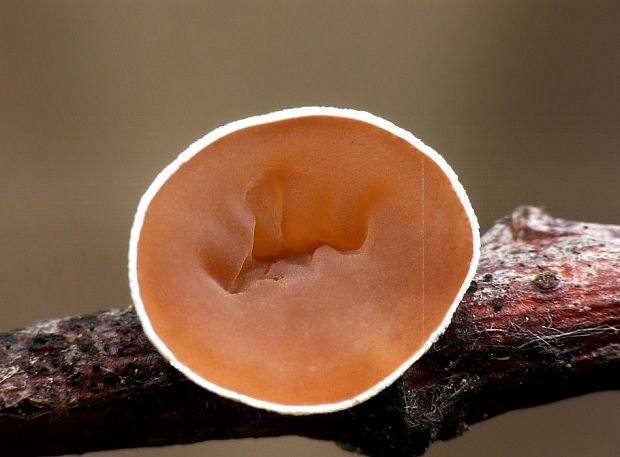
(540,322)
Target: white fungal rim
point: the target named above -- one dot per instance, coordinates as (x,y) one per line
(292,113)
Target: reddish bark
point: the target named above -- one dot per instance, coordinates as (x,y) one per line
(540,322)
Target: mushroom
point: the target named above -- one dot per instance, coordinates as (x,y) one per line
(302,260)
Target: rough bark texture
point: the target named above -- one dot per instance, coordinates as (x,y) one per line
(540,322)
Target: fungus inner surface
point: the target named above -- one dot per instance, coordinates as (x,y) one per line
(302,261)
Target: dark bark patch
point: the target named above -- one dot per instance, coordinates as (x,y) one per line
(546,281)
(48,342)
(497,304)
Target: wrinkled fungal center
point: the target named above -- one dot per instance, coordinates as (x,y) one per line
(295,214)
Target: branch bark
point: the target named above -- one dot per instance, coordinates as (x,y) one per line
(540,322)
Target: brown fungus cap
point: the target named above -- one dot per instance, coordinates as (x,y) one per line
(302,260)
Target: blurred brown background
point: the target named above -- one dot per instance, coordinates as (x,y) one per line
(521,97)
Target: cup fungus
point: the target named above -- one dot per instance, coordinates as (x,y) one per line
(302,260)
